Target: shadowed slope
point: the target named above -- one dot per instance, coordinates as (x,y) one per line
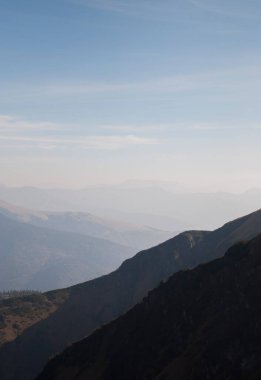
(92,304)
(96,302)
(201,324)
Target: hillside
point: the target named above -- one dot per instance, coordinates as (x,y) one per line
(131,235)
(94,303)
(17,314)
(43,259)
(200,324)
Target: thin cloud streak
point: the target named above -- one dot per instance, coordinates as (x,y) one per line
(113,6)
(224,12)
(10,123)
(217,80)
(161,128)
(132,8)
(145,8)
(84,142)
(14,129)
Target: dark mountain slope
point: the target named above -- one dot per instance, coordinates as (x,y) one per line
(96,302)
(39,258)
(215,244)
(91,304)
(201,324)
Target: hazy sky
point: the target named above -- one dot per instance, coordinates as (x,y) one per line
(105,90)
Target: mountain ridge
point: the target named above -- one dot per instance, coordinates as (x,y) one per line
(131,235)
(200,324)
(40,258)
(94,303)
(195,210)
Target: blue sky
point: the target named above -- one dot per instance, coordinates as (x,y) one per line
(105,90)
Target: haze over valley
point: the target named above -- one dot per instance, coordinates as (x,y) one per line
(163,206)
(130,190)
(94,303)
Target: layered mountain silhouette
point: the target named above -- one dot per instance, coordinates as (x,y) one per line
(43,259)
(200,324)
(140,202)
(89,305)
(131,235)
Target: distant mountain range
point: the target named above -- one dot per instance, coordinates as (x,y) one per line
(44,259)
(160,205)
(136,236)
(79,310)
(201,324)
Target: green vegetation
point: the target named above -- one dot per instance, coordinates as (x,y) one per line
(21,309)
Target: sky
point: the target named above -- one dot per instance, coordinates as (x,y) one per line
(101,91)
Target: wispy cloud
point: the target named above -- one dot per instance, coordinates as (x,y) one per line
(83,142)
(226,79)
(133,7)
(212,126)
(165,129)
(108,5)
(225,10)
(17,133)
(10,123)
(136,128)
(168,7)
(109,136)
